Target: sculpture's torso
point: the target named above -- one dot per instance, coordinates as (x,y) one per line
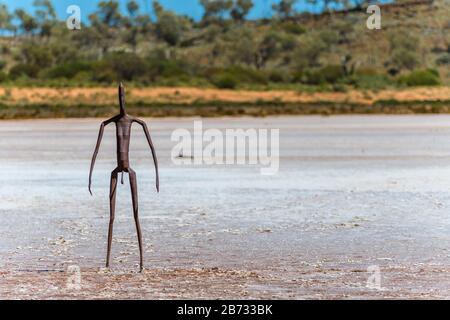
(123,133)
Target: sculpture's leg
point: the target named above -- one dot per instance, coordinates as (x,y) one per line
(112,208)
(134,194)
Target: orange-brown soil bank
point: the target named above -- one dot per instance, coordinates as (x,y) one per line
(191,95)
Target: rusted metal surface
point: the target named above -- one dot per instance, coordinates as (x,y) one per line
(123,123)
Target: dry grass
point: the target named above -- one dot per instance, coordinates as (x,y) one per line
(34,103)
(108,96)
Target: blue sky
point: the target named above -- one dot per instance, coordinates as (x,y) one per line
(192,8)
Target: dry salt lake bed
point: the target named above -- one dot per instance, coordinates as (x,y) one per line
(352,192)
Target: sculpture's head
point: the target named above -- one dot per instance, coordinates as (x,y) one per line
(122,99)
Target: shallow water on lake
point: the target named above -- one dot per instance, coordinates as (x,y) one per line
(352,191)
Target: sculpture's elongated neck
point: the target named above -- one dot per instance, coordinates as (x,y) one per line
(122,99)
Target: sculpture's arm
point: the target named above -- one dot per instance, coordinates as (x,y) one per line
(149,139)
(97,147)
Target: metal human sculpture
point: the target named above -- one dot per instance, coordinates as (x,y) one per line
(123,132)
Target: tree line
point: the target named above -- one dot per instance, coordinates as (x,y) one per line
(223,48)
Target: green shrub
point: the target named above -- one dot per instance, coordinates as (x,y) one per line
(313,77)
(328,74)
(4,49)
(36,54)
(3,76)
(127,66)
(339,87)
(371,82)
(238,74)
(2,64)
(69,70)
(248,75)
(404,59)
(277,76)
(443,60)
(420,78)
(369,79)
(434,71)
(157,68)
(225,81)
(329,37)
(82,77)
(118,66)
(168,28)
(104,75)
(23,69)
(289,43)
(366,71)
(298,76)
(293,27)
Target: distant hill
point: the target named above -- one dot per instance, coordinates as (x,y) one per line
(330,51)
(425,22)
